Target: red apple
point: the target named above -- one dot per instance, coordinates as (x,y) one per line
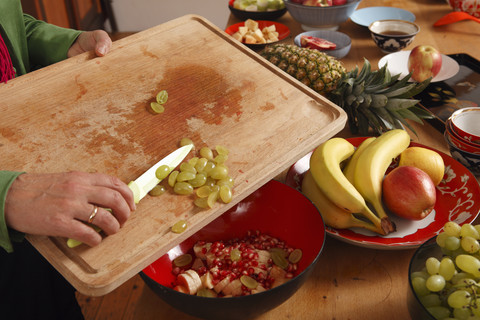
(339,2)
(317,3)
(425,62)
(409,192)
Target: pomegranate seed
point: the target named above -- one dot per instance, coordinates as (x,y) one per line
(289,275)
(204,250)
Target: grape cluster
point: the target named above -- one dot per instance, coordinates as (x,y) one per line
(449,287)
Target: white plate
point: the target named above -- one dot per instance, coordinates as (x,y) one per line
(398,63)
(366,16)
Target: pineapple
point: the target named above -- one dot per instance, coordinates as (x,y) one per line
(371,99)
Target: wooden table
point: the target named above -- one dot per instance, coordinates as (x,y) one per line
(351,282)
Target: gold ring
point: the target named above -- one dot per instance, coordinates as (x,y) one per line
(93,214)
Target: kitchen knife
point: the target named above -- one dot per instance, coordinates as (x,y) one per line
(148,180)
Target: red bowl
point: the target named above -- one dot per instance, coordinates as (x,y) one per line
(466,123)
(458,142)
(275,209)
(468,6)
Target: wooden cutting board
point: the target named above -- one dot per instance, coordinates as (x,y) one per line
(91,114)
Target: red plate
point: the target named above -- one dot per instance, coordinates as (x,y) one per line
(458,199)
(283,30)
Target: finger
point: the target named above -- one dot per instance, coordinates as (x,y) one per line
(103,43)
(112,199)
(104,220)
(80,231)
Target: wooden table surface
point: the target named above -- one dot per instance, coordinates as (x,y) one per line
(351,282)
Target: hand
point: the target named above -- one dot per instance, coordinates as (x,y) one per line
(57,204)
(97,40)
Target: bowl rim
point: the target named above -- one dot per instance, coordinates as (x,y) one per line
(451,145)
(345,36)
(299,5)
(456,136)
(457,113)
(392,35)
(257,12)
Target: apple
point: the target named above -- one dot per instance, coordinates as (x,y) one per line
(409,192)
(425,62)
(317,3)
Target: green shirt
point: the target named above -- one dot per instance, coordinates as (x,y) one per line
(32,44)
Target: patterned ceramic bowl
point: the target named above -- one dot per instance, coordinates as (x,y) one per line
(469,6)
(458,141)
(466,123)
(393,35)
(470,160)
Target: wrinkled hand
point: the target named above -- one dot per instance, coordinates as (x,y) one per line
(97,40)
(57,204)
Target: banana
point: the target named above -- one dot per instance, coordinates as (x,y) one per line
(372,165)
(325,168)
(332,215)
(349,169)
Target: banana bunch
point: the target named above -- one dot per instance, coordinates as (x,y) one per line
(342,195)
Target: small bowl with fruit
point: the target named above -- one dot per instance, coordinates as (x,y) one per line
(333,43)
(444,273)
(258,33)
(257,9)
(393,35)
(321,14)
(247,261)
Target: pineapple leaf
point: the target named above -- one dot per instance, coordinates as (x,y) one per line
(407,114)
(421,112)
(401,121)
(417,89)
(397,104)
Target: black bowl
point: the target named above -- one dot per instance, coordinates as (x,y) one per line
(257,15)
(275,209)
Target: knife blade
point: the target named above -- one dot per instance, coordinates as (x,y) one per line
(148,180)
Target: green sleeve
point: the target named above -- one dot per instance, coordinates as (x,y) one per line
(47,43)
(6,234)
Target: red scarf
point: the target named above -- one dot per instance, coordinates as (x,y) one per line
(6,66)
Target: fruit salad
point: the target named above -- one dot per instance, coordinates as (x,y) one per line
(236,267)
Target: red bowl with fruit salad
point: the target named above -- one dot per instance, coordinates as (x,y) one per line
(276,220)
(249,9)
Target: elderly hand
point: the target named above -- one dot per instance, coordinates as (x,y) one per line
(97,40)
(57,204)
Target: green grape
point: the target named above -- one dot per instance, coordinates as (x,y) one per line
(439,312)
(441,237)
(452,243)
(183,260)
(209,167)
(183,187)
(162,97)
(452,229)
(476,307)
(185,141)
(203,191)
(447,268)
(199,180)
(172,178)
(431,300)
(459,299)
(467,230)
(187,167)
(228,181)
(461,314)
(225,194)
(201,202)
(162,172)
(158,190)
(219,172)
(179,226)
(435,283)
(210,182)
(422,274)
(212,198)
(200,165)
(185,176)
(220,159)
(295,256)
(477,226)
(468,264)
(248,282)
(156,107)
(221,150)
(207,153)
(193,161)
(235,255)
(466,283)
(458,277)
(469,244)
(432,264)
(419,286)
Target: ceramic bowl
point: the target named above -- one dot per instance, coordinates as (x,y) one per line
(468,6)
(470,160)
(458,141)
(393,35)
(275,209)
(343,42)
(257,15)
(466,123)
(321,18)
(283,32)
